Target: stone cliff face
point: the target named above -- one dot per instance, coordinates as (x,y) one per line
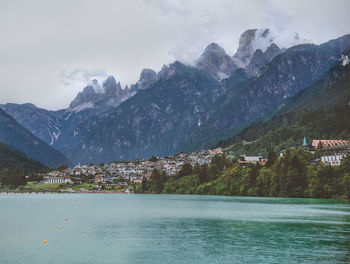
(249,41)
(326,95)
(271,52)
(245,49)
(255,50)
(260,59)
(216,62)
(282,78)
(155,121)
(147,78)
(110,92)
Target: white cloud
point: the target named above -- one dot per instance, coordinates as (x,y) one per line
(79,78)
(40,39)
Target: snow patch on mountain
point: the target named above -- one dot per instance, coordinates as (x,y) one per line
(56,135)
(82,107)
(53,130)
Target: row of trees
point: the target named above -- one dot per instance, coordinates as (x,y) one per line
(292,175)
(12,177)
(287,130)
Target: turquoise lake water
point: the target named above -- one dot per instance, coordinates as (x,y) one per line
(113,228)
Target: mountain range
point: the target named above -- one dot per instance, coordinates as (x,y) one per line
(321,110)
(182,107)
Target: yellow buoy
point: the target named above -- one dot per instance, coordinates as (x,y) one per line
(58,227)
(45,241)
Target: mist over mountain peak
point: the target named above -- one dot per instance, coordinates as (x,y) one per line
(215,60)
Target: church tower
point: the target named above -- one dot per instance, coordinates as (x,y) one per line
(304,142)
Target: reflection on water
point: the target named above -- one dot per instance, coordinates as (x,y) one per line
(172,229)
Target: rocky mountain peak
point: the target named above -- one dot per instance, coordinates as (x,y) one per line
(260,59)
(273,49)
(111,87)
(245,48)
(147,75)
(214,49)
(147,78)
(94,92)
(83,97)
(249,41)
(95,85)
(216,61)
(88,90)
(255,49)
(170,70)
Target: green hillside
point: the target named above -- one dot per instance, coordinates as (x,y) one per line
(14,166)
(292,175)
(321,110)
(14,159)
(15,135)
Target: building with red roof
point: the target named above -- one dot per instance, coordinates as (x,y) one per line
(329,143)
(332,151)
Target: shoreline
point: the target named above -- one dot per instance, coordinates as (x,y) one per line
(58,192)
(106,192)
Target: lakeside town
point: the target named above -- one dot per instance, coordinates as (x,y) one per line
(122,176)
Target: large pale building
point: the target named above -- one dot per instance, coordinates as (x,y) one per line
(332,151)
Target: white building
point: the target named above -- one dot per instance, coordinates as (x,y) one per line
(253,158)
(333,160)
(332,151)
(53,180)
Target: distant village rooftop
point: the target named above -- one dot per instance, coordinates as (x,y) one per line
(328,142)
(332,150)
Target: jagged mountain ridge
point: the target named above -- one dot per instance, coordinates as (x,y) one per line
(239,105)
(285,76)
(101,133)
(110,92)
(58,128)
(321,110)
(255,50)
(158,121)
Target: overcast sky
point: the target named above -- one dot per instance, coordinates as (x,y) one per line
(50,49)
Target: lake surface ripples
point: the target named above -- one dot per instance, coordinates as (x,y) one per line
(152,229)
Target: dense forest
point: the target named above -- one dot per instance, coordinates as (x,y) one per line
(334,124)
(293,175)
(319,111)
(14,166)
